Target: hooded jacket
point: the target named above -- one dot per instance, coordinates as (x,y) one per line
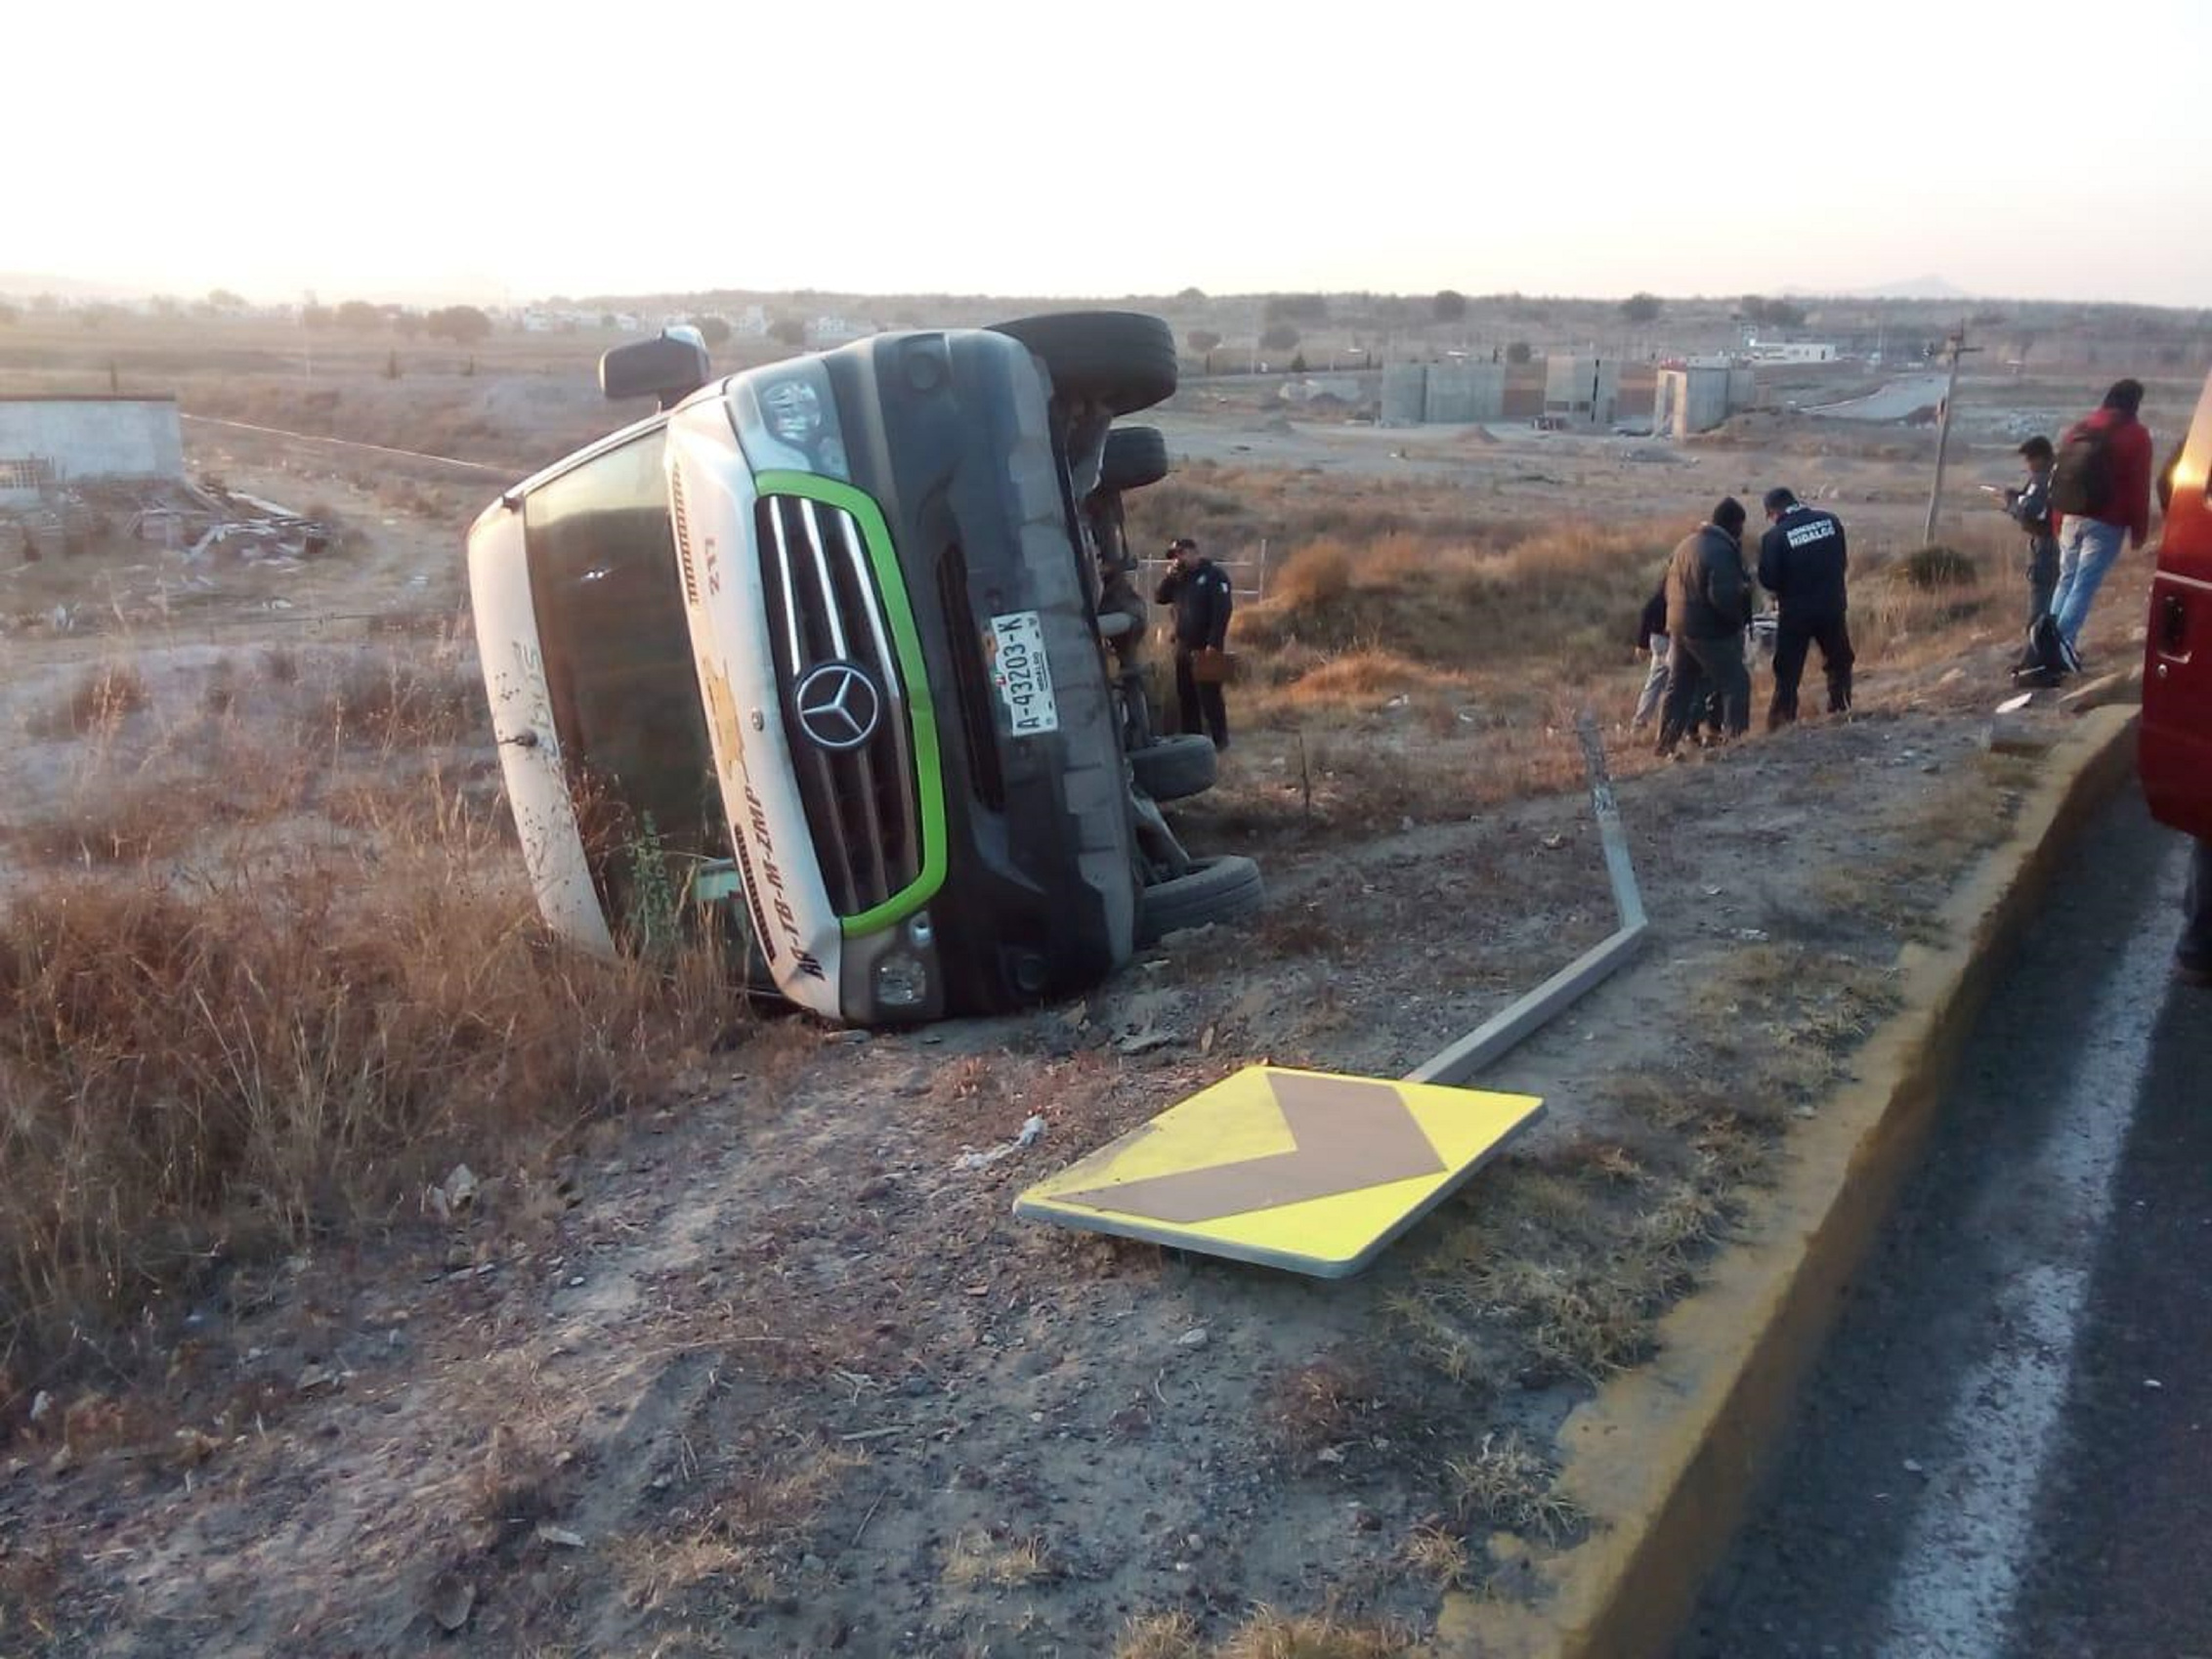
(1708,595)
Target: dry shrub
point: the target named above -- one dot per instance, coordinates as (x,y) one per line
(402,702)
(1937,567)
(196,1073)
(102,701)
(1364,677)
(1320,573)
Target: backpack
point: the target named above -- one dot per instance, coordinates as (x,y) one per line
(2047,657)
(2082,477)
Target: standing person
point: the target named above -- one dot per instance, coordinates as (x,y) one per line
(2100,483)
(2030,509)
(1801,563)
(1706,591)
(1199,590)
(1652,636)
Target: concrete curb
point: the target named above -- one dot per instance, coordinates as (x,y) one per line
(1665,1457)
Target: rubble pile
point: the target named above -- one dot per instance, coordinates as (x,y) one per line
(107,526)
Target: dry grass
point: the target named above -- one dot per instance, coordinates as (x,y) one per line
(1566,594)
(1438,1555)
(406,702)
(980,1558)
(31,1578)
(1507,1484)
(1270,1634)
(101,700)
(225,1029)
(731,1540)
(1159,1635)
(1318,1403)
(195,1072)
(1938,839)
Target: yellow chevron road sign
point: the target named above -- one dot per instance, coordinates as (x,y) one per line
(1302,1171)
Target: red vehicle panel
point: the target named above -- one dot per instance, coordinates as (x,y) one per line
(2176,751)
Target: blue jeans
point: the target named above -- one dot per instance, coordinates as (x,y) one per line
(2195,952)
(2087,548)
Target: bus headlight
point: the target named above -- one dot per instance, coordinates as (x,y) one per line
(900,981)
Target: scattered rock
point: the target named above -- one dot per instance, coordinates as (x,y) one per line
(319,1380)
(560,1537)
(1194,1337)
(451,1600)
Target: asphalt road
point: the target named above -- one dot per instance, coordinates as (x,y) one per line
(2007,1448)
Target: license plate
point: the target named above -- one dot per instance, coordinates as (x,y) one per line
(1022,674)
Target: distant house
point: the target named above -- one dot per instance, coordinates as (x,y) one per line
(1791,351)
(46,440)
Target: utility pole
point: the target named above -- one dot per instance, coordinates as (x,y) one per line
(1955,348)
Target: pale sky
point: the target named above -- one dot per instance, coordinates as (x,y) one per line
(465,151)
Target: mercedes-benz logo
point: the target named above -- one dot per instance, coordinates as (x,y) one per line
(840,706)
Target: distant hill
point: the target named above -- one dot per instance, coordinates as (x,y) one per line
(1909,288)
(25,284)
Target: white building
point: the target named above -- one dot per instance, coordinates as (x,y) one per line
(1791,351)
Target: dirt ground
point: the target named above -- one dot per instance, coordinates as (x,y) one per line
(773,1369)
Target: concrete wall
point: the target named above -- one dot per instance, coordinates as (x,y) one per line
(1405,394)
(1582,389)
(87,438)
(1689,400)
(1462,393)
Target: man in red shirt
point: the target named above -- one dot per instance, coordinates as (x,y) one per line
(2102,484)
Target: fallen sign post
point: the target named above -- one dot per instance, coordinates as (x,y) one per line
(1461,1060)
(1318,1173)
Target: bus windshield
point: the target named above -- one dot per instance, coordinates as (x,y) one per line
(609,608)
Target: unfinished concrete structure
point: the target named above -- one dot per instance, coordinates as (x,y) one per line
(1582,391)
(1699,398)
(1405,394)
(1460,393)
(1443,394)
(47,440)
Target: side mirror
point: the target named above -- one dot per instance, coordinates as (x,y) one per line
(670,368)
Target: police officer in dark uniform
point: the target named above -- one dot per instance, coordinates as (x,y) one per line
(1199,590)
(1801,563)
